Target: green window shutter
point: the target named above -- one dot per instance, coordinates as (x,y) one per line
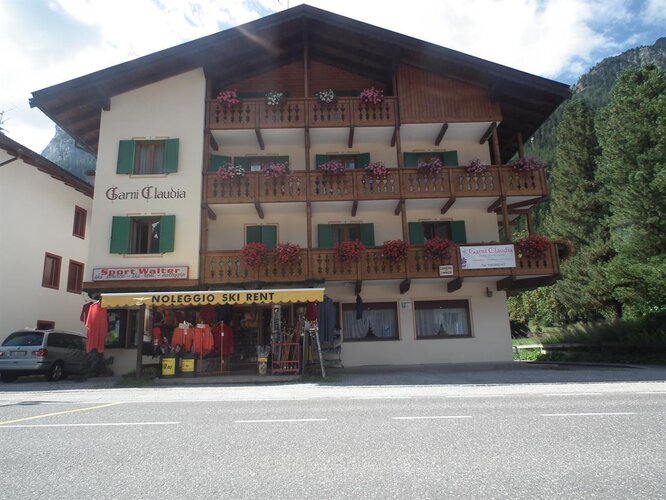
(281,159)
(120,234)
(325,233)
(321,159)
(411,160)
(416,236)
(362,160)
(450,158)
(217,161)
(125,157)
(252,234)
(367,232)
(269,236)
(171,156)
(458,234)
(242,161)
(167,233)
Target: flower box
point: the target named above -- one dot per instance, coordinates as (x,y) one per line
(288,253)
(349,251)
(254,255)
(534,246)
(371,95)
(527,164)
(228,97)
(431,166)
(333,167)
(476,167)
(437,248)
(326,96)
(377,169)
(274,98)
(230,171)
(276,170)
(395,250)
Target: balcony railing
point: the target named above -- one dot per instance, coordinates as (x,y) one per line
(297,113)
(318,264)
(405,183)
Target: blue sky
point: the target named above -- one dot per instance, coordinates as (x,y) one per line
(52,41)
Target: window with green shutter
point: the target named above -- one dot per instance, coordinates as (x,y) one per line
(143,235)
(217,161)
(266,234)
(420,232)
(150,157)
(331,235)
(448,158)
(257,163)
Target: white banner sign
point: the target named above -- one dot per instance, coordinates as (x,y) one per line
(487,256)
(140,273)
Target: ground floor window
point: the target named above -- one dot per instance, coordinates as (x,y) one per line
(370,321)
(442,319)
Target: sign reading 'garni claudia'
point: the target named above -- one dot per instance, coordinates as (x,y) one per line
(487,256)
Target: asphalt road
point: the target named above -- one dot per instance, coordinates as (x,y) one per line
(602,439)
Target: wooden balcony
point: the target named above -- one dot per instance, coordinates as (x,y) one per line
(299,113)
(452,182)
(228,268)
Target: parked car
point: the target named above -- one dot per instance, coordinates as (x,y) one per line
(53,353)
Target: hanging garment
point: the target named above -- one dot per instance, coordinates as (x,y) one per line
(229,345)
(183,336)
(311,311)
(97,327)
(326,320)
(84,311)
(203,340)
(359,307)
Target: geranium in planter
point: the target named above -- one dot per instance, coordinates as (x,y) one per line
(377,169)
(230,171)
(527,164)
(534,246)
(431,166)
(228,97)
(274,98)
(254,255)
(325,96)
(371,95)
(288,253)
(348,251)
(437,248)
(276,170)
(333,167)
(395,250)
(476,167)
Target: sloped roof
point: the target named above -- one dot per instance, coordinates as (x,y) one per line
(29,157)
(273,41)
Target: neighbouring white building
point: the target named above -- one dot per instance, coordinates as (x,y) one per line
(44,224)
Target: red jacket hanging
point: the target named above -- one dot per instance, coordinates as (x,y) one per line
(97,327)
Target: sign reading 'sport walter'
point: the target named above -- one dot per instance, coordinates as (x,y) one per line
(140,273)
(487,256)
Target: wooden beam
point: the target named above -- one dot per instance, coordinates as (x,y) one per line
(104,100)
(357,287)
(506,223)
(404,285)
(505,283)
(213,143)
(526,203)
(211,215)
(489,131)
(440,136)
(260,139)
(394,137)
(354,208)
(447,205)
(536,282)
(454,285)
(521,149)
(350,140)
(495,204)
(496,149)
(398,207)
(530,223)
(307,147)
(260,211)
(308,215)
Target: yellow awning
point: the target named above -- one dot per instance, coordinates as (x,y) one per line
(212,297)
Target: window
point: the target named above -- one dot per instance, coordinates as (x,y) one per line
(51,274)
(420,232)
(148,157)
(45,324)
(255,163)
(449,158)
(80,215)
(442,319)
(378,321)
(333,234)
(143,235)
(262,234)
(75,277)
(351,161)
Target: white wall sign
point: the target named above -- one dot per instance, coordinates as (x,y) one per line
(487,256)
(140,273)
(446,270)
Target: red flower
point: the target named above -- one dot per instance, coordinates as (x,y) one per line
(395,250)
(349,250)
(438,248)
(254,255)
(288,253)
(534,245)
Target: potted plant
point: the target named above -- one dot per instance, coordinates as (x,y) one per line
(395,250)
(371,95)
(476,167)
(348,251)
(534,246)
(274,98)
(228,97)
(276,170)
(333,167)
(288,253)
(437,248)
(230,171)
(377,169)
(431,166)
(325,96)
(254,255)
(527,164)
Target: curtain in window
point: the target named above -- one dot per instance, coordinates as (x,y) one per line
(441,322)
(380,322)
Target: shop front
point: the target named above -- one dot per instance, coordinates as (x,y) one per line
(193,333)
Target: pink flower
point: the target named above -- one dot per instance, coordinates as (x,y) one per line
(377,169)
(371,95)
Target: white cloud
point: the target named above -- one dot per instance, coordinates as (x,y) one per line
(654,12)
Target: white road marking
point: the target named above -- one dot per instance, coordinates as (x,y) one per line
(652,392)
(477,396)
(277,420)
(574,394)
(107,424)
(380,397)
(585,414)
(433,417)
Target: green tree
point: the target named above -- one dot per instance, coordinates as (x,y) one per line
(632,134)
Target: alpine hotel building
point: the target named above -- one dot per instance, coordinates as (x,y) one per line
(163,219)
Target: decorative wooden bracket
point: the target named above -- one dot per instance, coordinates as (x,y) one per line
(357,287)
(260,139)
(495,205)
(211,215)
(447,205)
(211,140)
(404,286)
(505,283)
(394,137)
(260,211)
(354,208)
(486,135)
(350,140)
(398,207)
(454,285)
(440,136)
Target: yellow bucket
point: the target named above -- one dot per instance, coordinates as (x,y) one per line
(187,366)
(168,367)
